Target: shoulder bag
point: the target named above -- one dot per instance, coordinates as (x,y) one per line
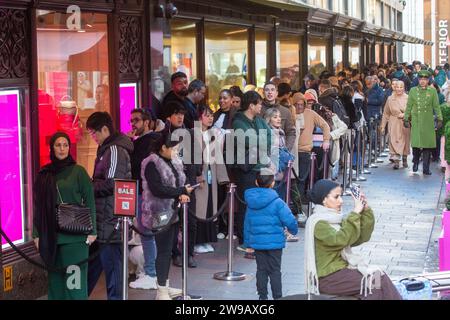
(72,218)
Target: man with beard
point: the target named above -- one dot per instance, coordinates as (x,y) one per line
(196,93)
(175,96)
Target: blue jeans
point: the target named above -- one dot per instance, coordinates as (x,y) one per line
(110,261)
(148,245)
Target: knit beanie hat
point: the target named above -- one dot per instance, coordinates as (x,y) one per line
(313,93)
(321,189)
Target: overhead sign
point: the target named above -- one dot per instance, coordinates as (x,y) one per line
(125,197)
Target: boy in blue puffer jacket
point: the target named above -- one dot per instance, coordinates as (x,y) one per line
(265,219)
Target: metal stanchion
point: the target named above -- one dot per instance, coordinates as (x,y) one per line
(312,177)
(345,191)
(364,149)
(326,165)
(185,251)
(350,152)
(377,143)
(371,156)
(230,275)
(383,154)
(125,223)
(359,173)
(288,182)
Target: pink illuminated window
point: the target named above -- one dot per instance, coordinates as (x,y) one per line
(128,102)
(11,186)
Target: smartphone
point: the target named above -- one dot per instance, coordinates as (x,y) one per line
(195,186)
(356,190)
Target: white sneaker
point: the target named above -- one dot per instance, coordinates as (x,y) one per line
(200,248)
(144,282)
(209,247)
(220,236)
(234,237)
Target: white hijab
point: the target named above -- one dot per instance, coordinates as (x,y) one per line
(354,260)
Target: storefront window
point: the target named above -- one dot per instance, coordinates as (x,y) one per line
(289,55)
(261,57)
(73,80)
(317,56)
(354,53)
(386,53)
(337,57)
(377,53)
(179,54)
(12,167)
(128,102)
(226,51)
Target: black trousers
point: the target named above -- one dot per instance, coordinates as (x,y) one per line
(268,265)
(304,168)
(164,244)
(426,156)
(246,180)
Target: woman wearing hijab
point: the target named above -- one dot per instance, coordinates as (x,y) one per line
(330,265)
(62,180)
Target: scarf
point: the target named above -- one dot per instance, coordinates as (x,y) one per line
(45,201)
(355,261)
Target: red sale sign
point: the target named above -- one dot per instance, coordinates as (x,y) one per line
(125,197)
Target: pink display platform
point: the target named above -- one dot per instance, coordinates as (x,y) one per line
(444,242)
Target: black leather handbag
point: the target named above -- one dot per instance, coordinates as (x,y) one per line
(73,219)
(164,219)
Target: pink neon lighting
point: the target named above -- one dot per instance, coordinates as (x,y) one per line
(128,98)
(10,167)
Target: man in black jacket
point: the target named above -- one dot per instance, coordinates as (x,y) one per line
(144,138)
(196,93)
(113,161)
(176,96)
(328,97)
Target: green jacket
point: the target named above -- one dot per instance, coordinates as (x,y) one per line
(445,110)
(248,146)
(75,187)
(422,105)
(355,230)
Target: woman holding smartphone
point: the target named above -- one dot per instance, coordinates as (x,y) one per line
(330,265)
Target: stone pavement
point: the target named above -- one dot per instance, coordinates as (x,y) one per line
(405,207)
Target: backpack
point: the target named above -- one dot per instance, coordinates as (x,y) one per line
(339,109)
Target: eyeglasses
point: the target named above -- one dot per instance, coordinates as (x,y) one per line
(135,120)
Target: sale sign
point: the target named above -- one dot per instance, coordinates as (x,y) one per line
(125,197)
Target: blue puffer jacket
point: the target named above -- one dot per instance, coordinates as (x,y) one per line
(375,100)
(265,219)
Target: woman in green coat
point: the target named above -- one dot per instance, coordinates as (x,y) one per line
(62,180)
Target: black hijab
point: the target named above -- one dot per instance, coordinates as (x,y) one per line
(45,200)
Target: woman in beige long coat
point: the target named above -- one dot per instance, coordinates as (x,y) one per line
(213,174)
(399,136)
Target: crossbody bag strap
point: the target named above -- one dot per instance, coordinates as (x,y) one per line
(59,194)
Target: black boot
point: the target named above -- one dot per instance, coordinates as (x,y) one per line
(416,156)
(426,162)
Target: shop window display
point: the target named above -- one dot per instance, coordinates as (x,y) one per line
(354,53)
(12,168)
(226,51)
(179,54)
(317,56)
(73,80)
(288,65)
(261,57)
(338,57)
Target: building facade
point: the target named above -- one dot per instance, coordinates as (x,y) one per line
(63,60)
(437,28)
